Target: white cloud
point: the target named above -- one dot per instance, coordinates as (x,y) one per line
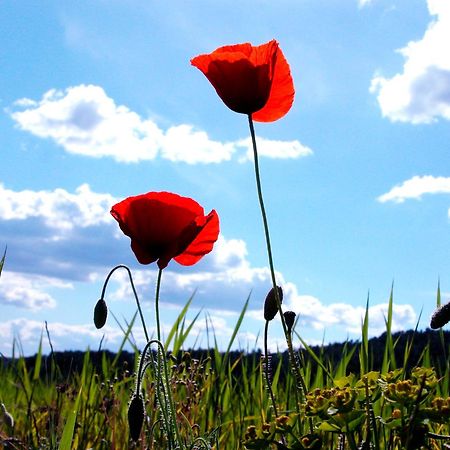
(58,208)
(66,235)
(184,144)
(63,336)
(29,291)
(229,278)
(221,281)
(362,3)
(415,187)
(273,149)
(421,93)
(84,120)
(315,314)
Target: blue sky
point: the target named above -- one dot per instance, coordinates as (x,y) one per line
(98,101)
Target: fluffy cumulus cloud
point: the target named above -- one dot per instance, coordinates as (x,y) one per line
(59,241)
(421,92)
(58,209)
(84,120)
(223,280)
(416,187)
(273,149)
(229,279)
(28,292)
(317,315)
(27,332)
(57,233)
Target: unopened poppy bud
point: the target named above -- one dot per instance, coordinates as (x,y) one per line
(136,416)
(100,313)
(440,317)
(271,305)
(289,318)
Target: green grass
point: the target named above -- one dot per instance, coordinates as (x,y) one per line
(221,400)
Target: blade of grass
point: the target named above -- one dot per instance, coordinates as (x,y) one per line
(408,348)
(364,349)
(441,331)
(38,361)
(2,261)
(347,355)
(126,334)
(69,427)
(314,356)
(178,321)
(178,343)
(389,354)
(238,325)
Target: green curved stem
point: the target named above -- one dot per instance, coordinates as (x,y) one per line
(122,266)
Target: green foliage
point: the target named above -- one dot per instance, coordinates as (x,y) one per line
(221,399)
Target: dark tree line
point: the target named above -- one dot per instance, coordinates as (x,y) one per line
(437,344)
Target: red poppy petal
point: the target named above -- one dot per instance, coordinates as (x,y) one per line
(281,94)
(154,222)
(262,54)
(243,87)
(250,79)
(203,243)
(245,49)
(142,255)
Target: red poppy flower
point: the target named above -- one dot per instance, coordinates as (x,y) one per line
(163,226)
(250,80)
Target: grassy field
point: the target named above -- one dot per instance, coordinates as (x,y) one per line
(224,400)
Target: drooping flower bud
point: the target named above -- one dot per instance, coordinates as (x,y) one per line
(289,318)
(136,416)
(440,317)
(100,313)
(271,305)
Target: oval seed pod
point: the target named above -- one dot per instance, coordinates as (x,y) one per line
(289,318)
(100,313)
(270,305)
(136,416)
(440,317)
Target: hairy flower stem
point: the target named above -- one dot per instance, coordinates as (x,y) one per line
(266,369)
(122,266)
(269,252)
(163,392)
(163,379)
(158,286)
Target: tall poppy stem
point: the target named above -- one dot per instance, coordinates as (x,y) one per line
(158,286)
(265,222)
(294,364)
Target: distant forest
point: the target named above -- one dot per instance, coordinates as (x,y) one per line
(437,343)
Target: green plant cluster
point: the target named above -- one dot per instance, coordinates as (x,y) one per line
(380,411)
(223,400)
